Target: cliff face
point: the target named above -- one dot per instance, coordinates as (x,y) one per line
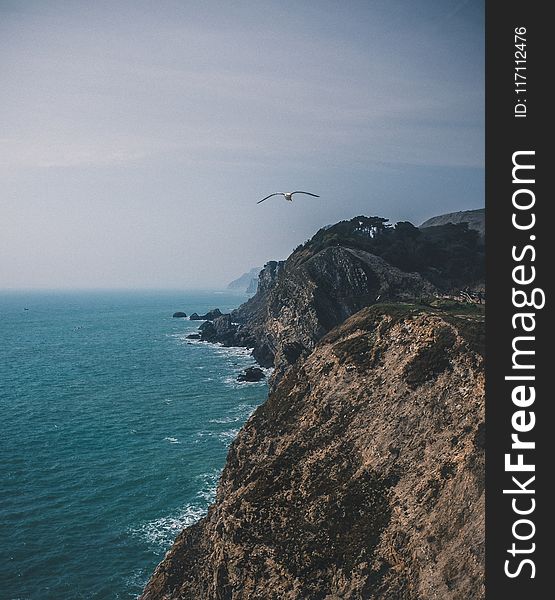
(361,476)
(342,269)
(300,300)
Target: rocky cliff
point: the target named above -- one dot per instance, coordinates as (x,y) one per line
(300,300)
(342,269)
(361,477)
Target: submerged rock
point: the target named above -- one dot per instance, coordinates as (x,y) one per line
(251,374)
(193,336)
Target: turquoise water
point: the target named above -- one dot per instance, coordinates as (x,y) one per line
(114,432)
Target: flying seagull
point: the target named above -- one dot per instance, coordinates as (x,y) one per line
(287,195)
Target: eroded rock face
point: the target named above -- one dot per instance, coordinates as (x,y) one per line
(298,302)
(221,329)
(361,476)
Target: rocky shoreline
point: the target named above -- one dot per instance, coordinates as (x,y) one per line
(361,476)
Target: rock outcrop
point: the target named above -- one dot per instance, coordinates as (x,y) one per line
(179,315)
(251,374)
(362,475)
(344,268)
(221,329)
(209,316)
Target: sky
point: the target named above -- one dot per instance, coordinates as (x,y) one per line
(136,137)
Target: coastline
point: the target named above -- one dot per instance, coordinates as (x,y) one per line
(307,452)
(371,438)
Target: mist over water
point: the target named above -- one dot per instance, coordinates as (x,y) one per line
(115,431)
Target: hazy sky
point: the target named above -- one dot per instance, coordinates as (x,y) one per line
(136,137)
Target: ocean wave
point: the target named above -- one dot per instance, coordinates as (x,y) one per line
(235,351)
(161,532)
(231,382)
(244,411)
(228,436)
(209,485)
(172,440)
(136,581)
(240,413)
(225,420)
(182,338)
(219,349)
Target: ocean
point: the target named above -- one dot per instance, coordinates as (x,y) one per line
(115,429)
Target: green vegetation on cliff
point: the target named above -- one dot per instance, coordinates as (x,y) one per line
(450,256)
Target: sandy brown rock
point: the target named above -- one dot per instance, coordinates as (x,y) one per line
(361,476)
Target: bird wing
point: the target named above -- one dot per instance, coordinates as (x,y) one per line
(276,194)
(307,193)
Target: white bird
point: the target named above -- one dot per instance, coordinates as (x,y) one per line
(287,195)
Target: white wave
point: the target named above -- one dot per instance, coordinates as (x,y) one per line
(163,531)
(231,381)
(172,440)
(183,339)
(228,436)
(209,485)
(241,412)
(244,411)
(235,350)
(226,420)
(136,581)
